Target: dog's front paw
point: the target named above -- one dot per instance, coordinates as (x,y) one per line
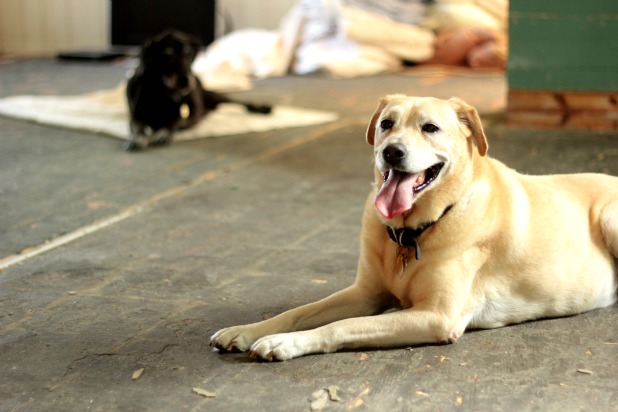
(163,137)
(282,346)
(136,144)
(236,338)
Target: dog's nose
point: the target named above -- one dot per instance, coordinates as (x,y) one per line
(394,153)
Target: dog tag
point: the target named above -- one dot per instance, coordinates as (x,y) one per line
(403,253)
(185,111)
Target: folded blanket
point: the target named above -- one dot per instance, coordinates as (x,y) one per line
(106,112)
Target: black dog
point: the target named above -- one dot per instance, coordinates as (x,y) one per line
(165,96)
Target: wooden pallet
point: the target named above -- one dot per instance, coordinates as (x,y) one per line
(563,109)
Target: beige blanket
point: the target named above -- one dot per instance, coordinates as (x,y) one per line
(106,112)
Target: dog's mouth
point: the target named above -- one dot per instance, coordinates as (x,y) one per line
(400,188)
(180,84)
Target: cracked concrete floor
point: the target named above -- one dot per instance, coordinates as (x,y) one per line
(131,262)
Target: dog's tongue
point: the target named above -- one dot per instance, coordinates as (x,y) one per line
(396,194)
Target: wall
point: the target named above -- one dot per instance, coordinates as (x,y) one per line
(44,27)
(264,14)
(34,27)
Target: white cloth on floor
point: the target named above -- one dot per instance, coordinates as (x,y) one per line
(106,112)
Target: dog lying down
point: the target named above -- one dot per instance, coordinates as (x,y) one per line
(165,96)
(457,240)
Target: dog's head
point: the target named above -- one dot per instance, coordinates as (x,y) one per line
(421,144)
(171,51)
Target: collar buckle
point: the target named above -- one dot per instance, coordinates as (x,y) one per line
(406,237)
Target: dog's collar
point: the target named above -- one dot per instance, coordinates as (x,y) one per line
(407,236)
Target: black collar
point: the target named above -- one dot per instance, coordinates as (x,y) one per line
(406,236)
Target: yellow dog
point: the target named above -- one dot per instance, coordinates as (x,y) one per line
(457,240)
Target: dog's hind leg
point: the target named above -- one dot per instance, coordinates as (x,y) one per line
(258,108)
(213,99)
(609,227)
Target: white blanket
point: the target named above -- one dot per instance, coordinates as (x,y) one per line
(343,38)
(106,112)
(317,35)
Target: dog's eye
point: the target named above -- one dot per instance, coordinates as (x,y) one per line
(386,124)
(430,128)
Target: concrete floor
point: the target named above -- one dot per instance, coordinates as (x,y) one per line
(151,253)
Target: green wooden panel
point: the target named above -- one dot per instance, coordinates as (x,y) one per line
(562,6)
(565,80)
(563,28)
(561,56)
(563,45)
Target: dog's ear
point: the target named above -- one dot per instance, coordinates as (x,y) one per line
(195,41)
(145,52)
(190,40)
(151,48)
(371,128)
(469,117)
